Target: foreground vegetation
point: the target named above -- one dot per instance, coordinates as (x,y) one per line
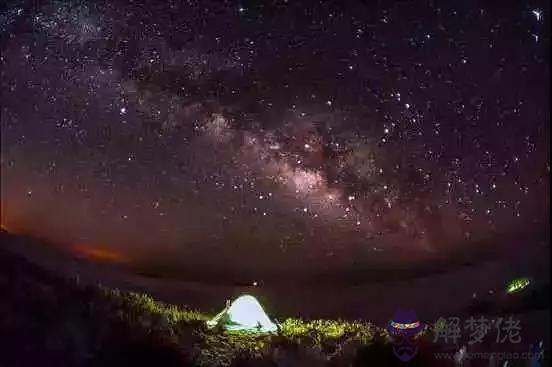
(322,340)
(47,320)
(50,321)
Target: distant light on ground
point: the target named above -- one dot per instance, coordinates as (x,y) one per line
(517,285)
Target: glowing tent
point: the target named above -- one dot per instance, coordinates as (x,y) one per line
(244,314)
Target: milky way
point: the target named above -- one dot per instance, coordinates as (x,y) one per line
(274,132)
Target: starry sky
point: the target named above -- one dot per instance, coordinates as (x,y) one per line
(274,135)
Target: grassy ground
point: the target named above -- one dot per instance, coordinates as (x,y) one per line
(320,340)
(49,321)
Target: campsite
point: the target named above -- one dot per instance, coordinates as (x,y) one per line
(63,316)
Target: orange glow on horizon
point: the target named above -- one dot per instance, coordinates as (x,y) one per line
(4,227)
(100,254)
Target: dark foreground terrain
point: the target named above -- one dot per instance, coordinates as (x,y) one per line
(48,320)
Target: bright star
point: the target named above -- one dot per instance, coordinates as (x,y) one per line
(537,13)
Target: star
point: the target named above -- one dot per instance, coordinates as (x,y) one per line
(537,13)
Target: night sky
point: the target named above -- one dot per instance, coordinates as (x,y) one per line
(274,134)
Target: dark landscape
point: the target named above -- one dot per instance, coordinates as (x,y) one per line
(78,316)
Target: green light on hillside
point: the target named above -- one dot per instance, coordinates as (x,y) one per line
(517,285)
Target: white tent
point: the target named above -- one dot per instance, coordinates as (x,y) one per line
(246,314)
